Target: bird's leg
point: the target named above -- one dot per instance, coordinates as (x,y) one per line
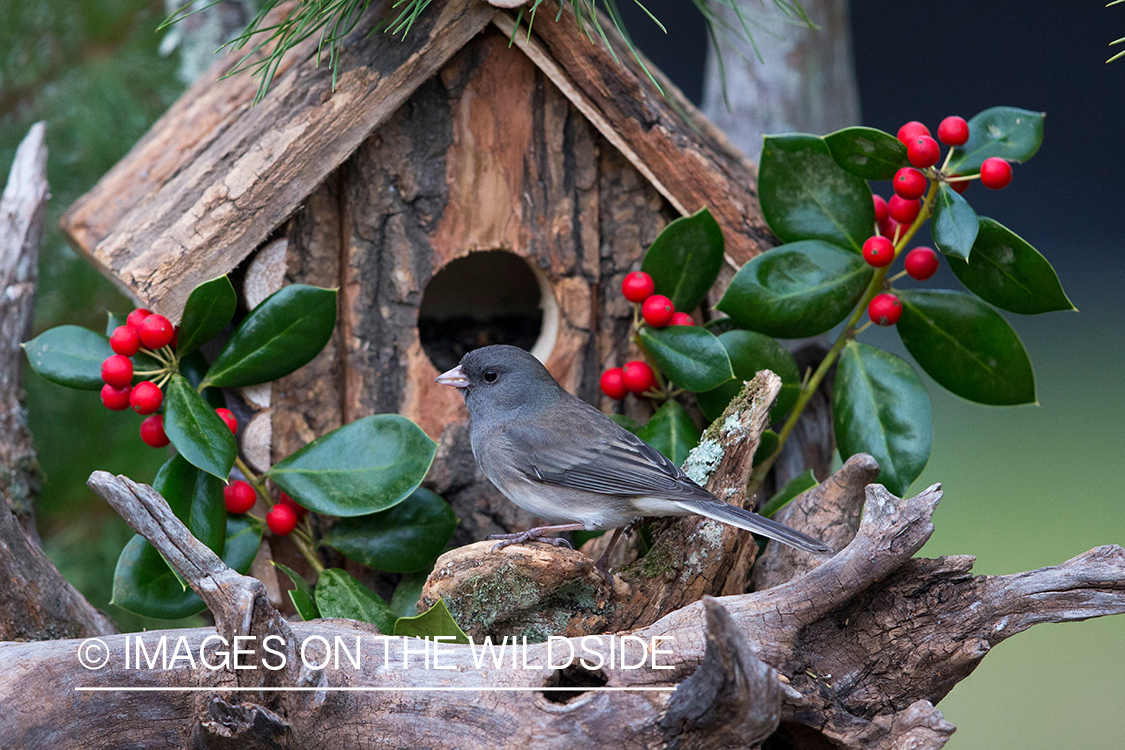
(603,562)
(536,535)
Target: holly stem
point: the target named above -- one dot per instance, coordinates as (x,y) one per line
(849,332)
(301,539)
(313,560)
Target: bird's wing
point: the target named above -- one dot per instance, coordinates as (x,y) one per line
(616,463)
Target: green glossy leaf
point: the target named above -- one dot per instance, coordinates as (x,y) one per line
(194,367)
(750,352)
(671,432)
(690,356)
(626,421)
(196,498)
(867,152)
(967,347)
(1009,133)
(685,259)
(360,468)
(280,335)
(112,322)
(954,227)
(805,195)
(403,539)
(880,407)
(338,594)
(792,488)
(144,584)
(436,621)
(767,446)
(198,433)
(302,596)
(796,290)
(70,356)
(404,601)
(209,309)
(1009,273)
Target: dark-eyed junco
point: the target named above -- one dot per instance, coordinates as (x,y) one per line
(564,461)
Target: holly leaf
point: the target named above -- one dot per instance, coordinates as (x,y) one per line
(685,259)
(867,152)
(880,406)
(70,356)
(671,431)
(769,443)
(404,601)
(805,195)
(369,465)
(797,290)
(144,584)
(210,307)
(1009,133)
(199,434)
(750,352)
(403,539)
(1006,271)
(283,333)
(196,498)
(690,356)
(966,346)
(302,596)
(954,227)
(436,621)
(338,594)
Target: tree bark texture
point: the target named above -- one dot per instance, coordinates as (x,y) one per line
(805,81)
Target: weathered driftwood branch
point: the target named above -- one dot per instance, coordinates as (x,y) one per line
(865,643)
(36,603)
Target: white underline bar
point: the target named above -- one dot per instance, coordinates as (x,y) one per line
(362,689)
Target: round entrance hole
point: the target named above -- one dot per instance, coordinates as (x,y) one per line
(484,298)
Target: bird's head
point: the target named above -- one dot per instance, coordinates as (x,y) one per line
(502,376)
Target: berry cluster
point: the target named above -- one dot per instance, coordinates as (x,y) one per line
(637,377)
(282,518)
(144,332)
(895,216)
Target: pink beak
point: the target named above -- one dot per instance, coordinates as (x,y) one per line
(454,377)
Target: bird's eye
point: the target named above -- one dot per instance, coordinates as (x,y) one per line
(490,376)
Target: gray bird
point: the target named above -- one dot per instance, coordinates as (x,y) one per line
(561,459)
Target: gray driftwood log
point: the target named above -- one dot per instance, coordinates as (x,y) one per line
(852,652)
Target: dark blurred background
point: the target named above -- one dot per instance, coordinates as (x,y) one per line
(1025,487)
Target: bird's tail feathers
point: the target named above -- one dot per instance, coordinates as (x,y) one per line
(744,519)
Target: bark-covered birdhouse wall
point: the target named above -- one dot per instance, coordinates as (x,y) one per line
(491,185)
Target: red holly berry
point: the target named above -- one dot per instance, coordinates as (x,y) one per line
(682,319)
(299,509)
(135,318)
(995,173)
(156,331)
(878,251)
(638,376)
(239,496)
(888,227)
(923,151)
(281,519)
(125,340)
(880,209)
(921,263)
(228,417)
(116,399)
(152,431)
(910,130)
(959,187)
(175,336)
(638,286)
(902,210)
(909,183)
(613,383)
(885,309)
(118,371)
(657,311)
(146,397)
(953,131)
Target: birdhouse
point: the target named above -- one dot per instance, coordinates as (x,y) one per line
(465,186)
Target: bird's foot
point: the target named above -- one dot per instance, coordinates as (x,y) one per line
(531,535)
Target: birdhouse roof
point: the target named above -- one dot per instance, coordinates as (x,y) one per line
(216,174)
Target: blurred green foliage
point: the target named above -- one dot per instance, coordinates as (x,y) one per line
(91,69)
